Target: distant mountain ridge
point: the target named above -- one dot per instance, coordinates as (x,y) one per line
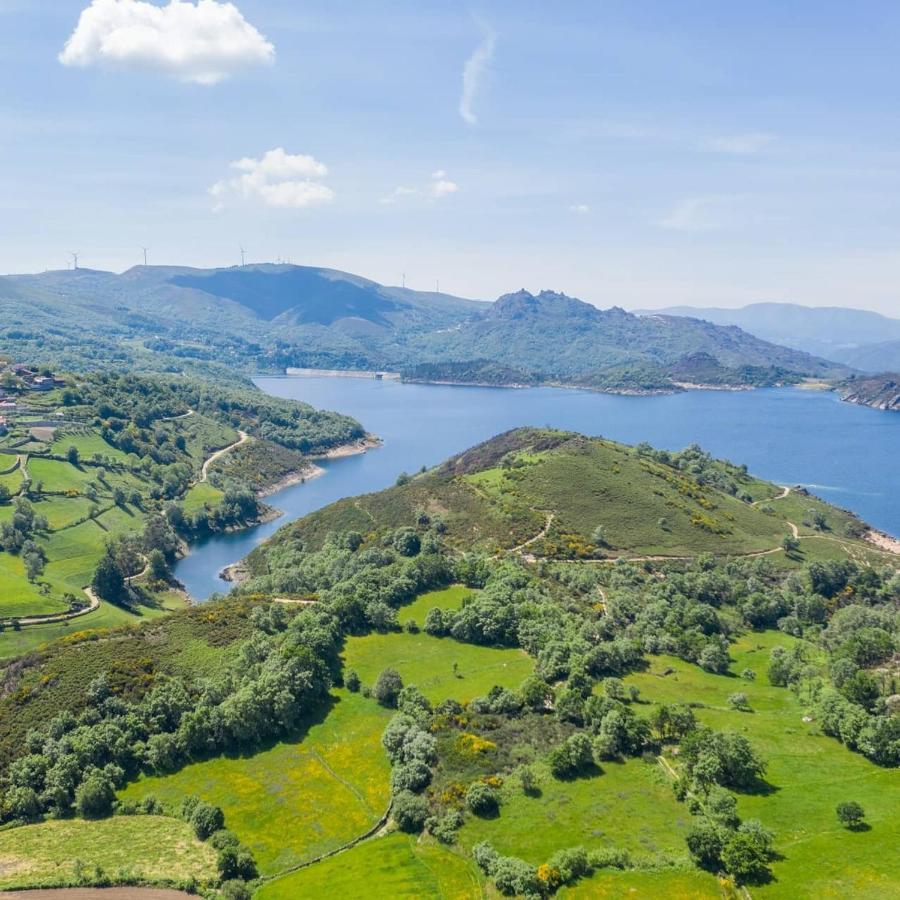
(269,317)
(856,337)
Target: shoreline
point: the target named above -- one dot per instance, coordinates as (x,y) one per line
(235,573)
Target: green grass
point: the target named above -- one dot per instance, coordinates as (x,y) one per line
(201,495)
(671,885)
(627,805)
(397,865)
(300,798)
(427,662)
(448,598)
(87,445)
(58,476)
(809,773)
(153,847)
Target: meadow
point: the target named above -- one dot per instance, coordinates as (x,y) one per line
(397,865)
(300,798)
(152,848)
(447,598)
(441,668)
(808,775)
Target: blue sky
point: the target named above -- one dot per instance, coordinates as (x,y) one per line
(639,154)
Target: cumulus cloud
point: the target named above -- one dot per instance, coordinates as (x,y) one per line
(475,67)
(201,42)
(439,186)
(277,179)
(740,144)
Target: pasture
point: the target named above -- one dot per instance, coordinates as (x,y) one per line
(808,775)
(396,865)
(302,797)
(447,598)
(441,668)
(154,848)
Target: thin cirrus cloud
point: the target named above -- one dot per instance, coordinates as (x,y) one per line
(580,208)
(740,144)
(695,214)
(276,179)
(438,186)
(203,42)
(473,73)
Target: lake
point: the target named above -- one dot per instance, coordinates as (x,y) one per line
(846,454)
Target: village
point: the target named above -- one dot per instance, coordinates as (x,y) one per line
(15,380)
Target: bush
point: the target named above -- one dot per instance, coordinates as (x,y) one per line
(206,819)
(410,812)
(573,756)
(850,814)
(236,863)
(387,688)
(94,796)
(482,799)
(235,890)
(351,681)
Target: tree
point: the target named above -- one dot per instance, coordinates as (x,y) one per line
(351,681)
(790,545)
(850,814)
(72,455)
(206,819)
(738,700)
(705,841)
(94,796)
(108,582)
(157,567)
(409,811)
(387,687)
(747,851)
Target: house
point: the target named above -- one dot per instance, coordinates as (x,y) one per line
(43,383)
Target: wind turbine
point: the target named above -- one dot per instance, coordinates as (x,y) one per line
(74,260)
(243,256)
(145,249)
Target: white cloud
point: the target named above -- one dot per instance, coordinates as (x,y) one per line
(580,208)
(694,214)
(277,179)
(740,144)
(475,67)
(439,186)
(203,42)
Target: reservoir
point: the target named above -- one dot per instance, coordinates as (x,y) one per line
(847,454)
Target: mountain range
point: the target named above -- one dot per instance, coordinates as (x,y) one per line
(855,337)
(268,317)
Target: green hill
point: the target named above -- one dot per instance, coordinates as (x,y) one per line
(268,317)
(547,492)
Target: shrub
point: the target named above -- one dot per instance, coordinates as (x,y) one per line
(482,799)
(351,681)
(206,819)
(409,811)
(94,796)
(387,687)
(850,814)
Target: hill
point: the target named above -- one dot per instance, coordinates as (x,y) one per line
(563,711)
(841,334)
(881,357)
(550,491)
(878,391)
(269,317)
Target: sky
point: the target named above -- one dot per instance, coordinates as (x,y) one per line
(635,154)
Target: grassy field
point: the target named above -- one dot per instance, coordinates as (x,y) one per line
(299,798)
(88,444)
(153,847)
(393,866)
(809,774)
(200,496)
(671,885)
(628,805)
(427,662)
(448,598)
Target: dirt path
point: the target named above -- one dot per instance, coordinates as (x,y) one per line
(784,492)
(532,540)
(204,472)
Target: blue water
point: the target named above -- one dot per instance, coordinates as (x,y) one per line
(847,454)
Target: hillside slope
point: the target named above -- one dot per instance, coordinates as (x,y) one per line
(878,391)
(842,334)
(268,317)
(546,492)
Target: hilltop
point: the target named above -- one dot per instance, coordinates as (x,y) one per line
(854,337)
(269,317)
(548,492)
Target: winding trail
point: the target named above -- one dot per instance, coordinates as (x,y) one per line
(204,471)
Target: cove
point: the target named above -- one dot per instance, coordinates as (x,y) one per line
(846,454)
